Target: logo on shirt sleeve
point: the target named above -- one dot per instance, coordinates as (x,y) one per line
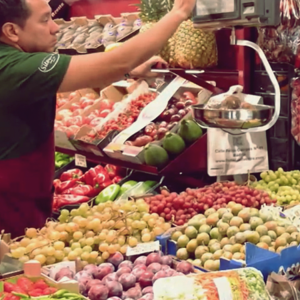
(49,63)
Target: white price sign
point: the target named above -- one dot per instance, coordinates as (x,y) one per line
(80,161)
(143,248)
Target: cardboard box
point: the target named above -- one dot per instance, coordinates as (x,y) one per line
(92,144)
(49,272)
(119,150)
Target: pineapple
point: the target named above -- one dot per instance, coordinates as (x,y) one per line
(194,48)
(189,48)
(151,12)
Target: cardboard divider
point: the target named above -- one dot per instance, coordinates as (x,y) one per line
(135,154)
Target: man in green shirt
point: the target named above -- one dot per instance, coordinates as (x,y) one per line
(30,76)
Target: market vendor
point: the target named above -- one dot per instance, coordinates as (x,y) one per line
(30,76)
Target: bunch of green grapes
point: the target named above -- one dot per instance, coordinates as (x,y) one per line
(282,186)
(90,233)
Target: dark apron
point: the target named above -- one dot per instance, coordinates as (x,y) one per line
(26,190)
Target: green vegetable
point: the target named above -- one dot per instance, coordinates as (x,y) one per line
(62,160)
(20,295)
(127,186)
(60,293)
(141,188)
(108,194)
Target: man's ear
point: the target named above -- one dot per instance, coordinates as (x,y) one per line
(11,31)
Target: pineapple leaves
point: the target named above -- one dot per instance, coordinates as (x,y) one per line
(153,10)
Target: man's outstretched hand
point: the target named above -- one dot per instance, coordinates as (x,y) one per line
(144,70)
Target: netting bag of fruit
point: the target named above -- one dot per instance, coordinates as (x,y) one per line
(280,44)
(295,109)
(239,284)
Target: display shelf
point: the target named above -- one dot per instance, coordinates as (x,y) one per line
(107,160)
(193,159)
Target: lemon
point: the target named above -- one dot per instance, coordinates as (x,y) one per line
(112,46)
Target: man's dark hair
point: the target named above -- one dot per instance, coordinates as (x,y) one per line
(15,11)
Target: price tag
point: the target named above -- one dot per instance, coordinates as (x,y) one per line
(143,248)
(96,152)
(80,161)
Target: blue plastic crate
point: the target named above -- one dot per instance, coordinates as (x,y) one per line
(261,259)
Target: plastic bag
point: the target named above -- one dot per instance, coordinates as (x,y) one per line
(289,13)
(216,101)
(281,44)
(295,110)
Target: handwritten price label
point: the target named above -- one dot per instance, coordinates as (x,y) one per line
(143,248)
(80,161)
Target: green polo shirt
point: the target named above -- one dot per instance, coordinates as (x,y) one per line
(28,86)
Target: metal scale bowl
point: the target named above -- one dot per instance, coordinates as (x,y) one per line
(217,14)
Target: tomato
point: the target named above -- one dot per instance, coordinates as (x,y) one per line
(49,291)
(91,96)
(25,284)
(96,121)
(61,102)
(84,102)
(75,106)
(77,112)
(106,104)
(40,284)
(36,293)
(10,297)
(72,130)
(8,287)
(19,290)
(78,121)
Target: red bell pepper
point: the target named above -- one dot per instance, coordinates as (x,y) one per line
(101,178)
(117,179)
(71,175)
(89,176)
(66,185)
(99,169)
(112,170)
(63,200)
(106,184)
(81,190)
(56,184)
